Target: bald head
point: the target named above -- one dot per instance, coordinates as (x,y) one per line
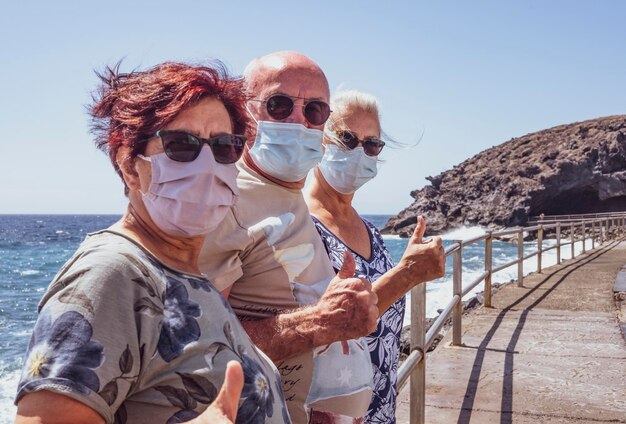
(287,73)
(273,66)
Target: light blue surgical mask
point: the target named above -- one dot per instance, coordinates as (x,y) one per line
(286,151)
(347,170)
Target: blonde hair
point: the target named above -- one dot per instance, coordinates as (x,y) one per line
(345,101)
(350,100)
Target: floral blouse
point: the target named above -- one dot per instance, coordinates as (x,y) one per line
(140,342)
(384,343)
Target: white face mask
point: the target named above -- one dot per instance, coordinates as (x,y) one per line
(286,151)
(190,199)
(347,171)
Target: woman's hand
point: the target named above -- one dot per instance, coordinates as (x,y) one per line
(224,409)
(423,260)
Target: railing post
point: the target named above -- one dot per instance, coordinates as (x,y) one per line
(583,230)
(601,231)
(488,269)
(539,247)
(572,238)
(520,258)
(457,289)
(558,243)
(417,406)
(593,234)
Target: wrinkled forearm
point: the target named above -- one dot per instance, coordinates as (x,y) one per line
(392,285)
(289,333)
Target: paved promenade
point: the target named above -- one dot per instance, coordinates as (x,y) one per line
(550,352)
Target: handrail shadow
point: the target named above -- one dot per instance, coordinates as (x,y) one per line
(507,383)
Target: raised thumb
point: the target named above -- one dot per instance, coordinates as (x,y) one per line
(348,266)
(228,398)
(420,229)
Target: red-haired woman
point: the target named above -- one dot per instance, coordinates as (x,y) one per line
(129,330)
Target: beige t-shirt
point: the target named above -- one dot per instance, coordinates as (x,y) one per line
(269,253)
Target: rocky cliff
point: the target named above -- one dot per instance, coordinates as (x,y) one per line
(575,168)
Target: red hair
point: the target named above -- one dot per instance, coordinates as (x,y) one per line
(130,107)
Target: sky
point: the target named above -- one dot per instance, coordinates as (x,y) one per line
(457,76)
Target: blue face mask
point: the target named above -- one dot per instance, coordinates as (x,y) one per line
(347,171)
(286,151)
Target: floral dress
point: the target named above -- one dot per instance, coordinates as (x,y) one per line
(384,343)
(137,341)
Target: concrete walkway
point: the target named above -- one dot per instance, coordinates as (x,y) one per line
(550,352)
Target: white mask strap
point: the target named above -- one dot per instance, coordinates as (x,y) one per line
(251,115)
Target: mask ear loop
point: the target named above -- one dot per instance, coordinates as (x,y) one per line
(250,113)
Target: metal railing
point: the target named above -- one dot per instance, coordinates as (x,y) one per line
(598,227)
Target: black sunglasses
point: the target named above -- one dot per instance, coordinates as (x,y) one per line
(280,106)
(372,146)
(181,146)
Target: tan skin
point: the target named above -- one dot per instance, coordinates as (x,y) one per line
(421,261)
(347,310)
(207,118)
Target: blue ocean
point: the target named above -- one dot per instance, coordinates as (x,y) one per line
(34,247)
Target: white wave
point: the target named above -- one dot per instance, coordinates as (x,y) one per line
(22,333)
(29,272)
(463,233)
(392,237)
(8,387)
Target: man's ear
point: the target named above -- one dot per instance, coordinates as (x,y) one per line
(126,163)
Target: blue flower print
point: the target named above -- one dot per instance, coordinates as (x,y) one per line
(286,418)
(63,350)
(182,416)
(200,284)
(179,327)
(257,394)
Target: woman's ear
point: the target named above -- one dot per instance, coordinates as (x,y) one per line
(126,163)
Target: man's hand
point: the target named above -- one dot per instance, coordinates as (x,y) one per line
(224,409)
(347,310)
(423,261)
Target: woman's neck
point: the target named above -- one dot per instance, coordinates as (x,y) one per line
(175,252)
(325,203)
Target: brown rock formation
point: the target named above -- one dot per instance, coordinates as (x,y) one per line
(575,168)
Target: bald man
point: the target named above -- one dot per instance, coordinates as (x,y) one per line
(269,262)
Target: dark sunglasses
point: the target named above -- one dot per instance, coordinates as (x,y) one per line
(181,146)
(372,146)
(280,106)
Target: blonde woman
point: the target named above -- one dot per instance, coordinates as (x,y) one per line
(352,142)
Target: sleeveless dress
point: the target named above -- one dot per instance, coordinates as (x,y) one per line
(384,343)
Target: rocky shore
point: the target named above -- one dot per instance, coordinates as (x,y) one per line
(568,169)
